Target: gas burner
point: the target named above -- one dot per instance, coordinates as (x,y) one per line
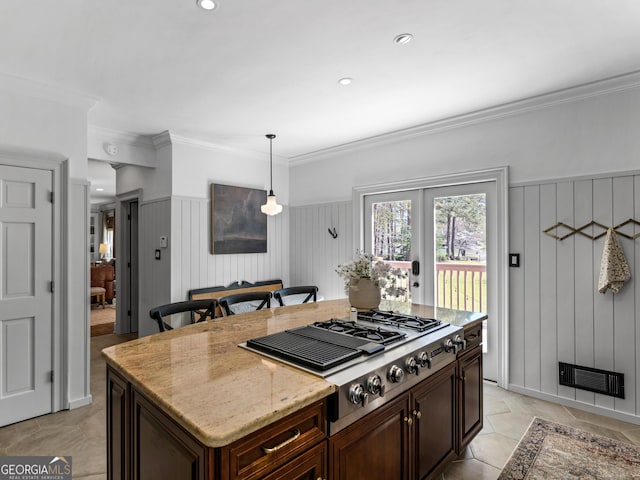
(373,334)
(394,319)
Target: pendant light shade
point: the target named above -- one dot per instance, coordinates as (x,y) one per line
(271,207)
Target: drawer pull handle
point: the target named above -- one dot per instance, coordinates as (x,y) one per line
(296,434)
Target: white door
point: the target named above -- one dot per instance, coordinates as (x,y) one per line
(25,293)
(460,261)
(399,215)
(458,273)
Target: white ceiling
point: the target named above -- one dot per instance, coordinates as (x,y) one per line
(102,175)
(254,67)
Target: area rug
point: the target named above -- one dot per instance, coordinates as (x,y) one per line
(552,451)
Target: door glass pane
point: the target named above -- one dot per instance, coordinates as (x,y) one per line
(461,253)
(391,239)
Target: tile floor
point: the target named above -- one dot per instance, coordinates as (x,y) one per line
(81,432)
(507,416)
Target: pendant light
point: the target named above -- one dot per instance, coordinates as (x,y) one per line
(271,207)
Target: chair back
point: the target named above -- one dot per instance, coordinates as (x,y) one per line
(233,288)
(200,310)
(311,292)
(250,301)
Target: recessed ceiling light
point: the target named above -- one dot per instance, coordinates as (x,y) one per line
(403,38)
(345,81)
(207,4)
(99,189)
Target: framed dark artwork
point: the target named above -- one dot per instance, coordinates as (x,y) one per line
(237,224)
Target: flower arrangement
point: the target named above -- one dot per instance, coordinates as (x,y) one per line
(370,267)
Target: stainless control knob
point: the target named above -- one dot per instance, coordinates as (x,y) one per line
(395,374)
(375,385)
(358,395)
(411,365)
(459,341)
(424,360)
(449,346)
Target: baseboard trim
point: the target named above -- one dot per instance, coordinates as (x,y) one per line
(606,412)
(80,402)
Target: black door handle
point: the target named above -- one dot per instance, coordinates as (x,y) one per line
(415,267)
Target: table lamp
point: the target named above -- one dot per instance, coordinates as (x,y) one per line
(102,249)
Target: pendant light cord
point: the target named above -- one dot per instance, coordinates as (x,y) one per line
(271,136)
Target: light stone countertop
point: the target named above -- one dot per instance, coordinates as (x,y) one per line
(220,392)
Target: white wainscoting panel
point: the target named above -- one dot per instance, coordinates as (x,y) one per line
(154,220)
(556,312)
(193,266)
(315,254)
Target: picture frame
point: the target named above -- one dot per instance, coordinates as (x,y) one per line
(237,224)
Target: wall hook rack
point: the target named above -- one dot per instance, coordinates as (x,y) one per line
(332,232)
(579,230)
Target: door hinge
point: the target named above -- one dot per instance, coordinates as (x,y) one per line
(128,264)
(51,197)
(52,286)
(128,313)
(51,376)
(129,216)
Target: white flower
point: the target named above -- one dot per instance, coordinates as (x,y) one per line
(379,272)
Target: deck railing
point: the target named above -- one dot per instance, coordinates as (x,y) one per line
(462,286)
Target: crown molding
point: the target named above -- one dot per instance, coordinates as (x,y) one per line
(606,86)
(167,138)
(34,89)
(120,137)
(161,140)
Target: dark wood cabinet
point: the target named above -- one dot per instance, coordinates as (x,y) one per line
(161,448)
(434,414)
(470,414)
(376,447)
(411,437)
(143,442)
(118,421)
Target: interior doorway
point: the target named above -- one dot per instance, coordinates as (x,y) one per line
(128,278)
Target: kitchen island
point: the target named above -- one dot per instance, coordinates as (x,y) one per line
(192,400)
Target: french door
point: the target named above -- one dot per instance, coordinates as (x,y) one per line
(445,239)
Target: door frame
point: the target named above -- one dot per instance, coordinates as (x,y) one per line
(499,175)
(57,164)
(123,321)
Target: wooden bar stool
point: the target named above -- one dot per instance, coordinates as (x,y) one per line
(99,293)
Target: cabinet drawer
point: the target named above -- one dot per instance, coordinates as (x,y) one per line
(267,449)
(473,336)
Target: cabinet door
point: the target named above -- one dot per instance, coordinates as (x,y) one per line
(118,426)
(161,449)
(311,465)
(375,447)
(434,414)
(470,397)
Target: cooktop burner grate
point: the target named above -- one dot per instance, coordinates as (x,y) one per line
(411,322)
(373,334)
